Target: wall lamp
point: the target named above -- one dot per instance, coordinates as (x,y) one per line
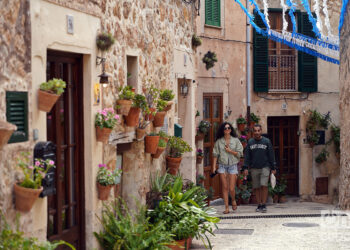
(104,76)
(184,87)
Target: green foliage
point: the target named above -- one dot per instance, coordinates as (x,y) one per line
(161,104)
(335,131)
(152,94)
(160,183)
(106,176)
(322,156)
(254,118)
(106,118)
(209,59)
(166,94)
(204,126)
(126,93)
(241,120)
(162,134)
(15,240)
(33,174)
(313,137)
(196,41)
(55,86)
(104,41)
(161,143)
(139,101)
(245,194)
(178,147)
(281,186)
(130,231)
(197,113)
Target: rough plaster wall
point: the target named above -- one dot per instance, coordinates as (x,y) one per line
(344,183)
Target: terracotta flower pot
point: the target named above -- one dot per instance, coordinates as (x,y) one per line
(199,159)
(181,244)
(124,106)
(46,100)
(6,130)
(168,107)
(158,153)
(173,164)
(199,137)
(159,119)
(151,144)
(282,199)
(25,197)
(102,134)
(166,139)
(103,191)
(150,116)
(132,118)
(140,133)
(241,127)
(275,198)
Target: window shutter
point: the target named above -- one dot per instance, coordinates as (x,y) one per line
(307,64)
(212,12)
(260,54)
(17,113)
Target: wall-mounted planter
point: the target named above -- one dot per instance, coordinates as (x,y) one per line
(140,133)
(199,159)
(173,164)
(25,197)
(102,134)
(159,119)
(168,107)
(132,118)
(150,116)
(46,100)
(158,153)
(124,106)
(103,191)
(151,144)
(6,130)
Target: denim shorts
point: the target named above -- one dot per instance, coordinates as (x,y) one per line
(231,169)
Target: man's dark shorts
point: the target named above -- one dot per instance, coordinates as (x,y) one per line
(260,177)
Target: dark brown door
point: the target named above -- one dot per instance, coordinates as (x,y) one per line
(65,129)
(212,112)
(283,134)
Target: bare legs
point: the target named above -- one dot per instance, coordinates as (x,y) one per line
(261,194)
(228,183)
(232,180)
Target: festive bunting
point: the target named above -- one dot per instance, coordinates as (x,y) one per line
(291,5)
(284,9)
(342,14)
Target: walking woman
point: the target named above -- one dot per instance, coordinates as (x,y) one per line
(227,152)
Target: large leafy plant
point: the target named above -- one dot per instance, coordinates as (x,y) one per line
(126,93)
(241,120)
(106,118)
(177,147)
(139,101)
(33,173)
(106,176)
(55,86)
(254,118)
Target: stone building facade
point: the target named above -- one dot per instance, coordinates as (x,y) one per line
(153,36)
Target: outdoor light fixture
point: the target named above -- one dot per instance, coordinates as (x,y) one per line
(104,76)
(184,87)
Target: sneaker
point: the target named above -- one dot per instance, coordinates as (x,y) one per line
(263,208)
(258,209)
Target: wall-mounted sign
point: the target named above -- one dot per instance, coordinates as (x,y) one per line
(97,94)
(70,24)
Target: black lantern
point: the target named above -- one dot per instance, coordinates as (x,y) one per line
(184,87)
(104,76)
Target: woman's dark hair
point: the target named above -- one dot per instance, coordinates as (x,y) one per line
(220,132)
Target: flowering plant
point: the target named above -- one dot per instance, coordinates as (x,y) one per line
(204,126)
(106,118)
(33,174)
(106,176)
(241,120)
(243,138)
(199,152)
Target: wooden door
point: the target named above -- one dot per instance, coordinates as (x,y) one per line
(212,112)
(65,129)
(283,134)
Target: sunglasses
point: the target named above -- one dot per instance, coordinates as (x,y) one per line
(227,128)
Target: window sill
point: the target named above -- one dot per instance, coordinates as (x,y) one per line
(278,92)
(213,26)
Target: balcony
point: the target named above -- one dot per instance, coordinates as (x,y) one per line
(282,73)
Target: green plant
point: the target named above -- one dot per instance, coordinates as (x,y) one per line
(152,134)
(245,194)
(322,156)
(152,94)
(125,230)
(166,94)
(106,176)
(199,152)
(139,101)
(254,118)
(178,147)
(55,86)
(204,126)
(242,138)
(196,41)
(335,131)
(209,59)
(161,143)
(271,190)
(161,104)
(237,193)
(33,174)
(197,113)
(106,118)
(126,93)
(210,193)
(159,183)
(281,186)
(241,120)
(313,137)
(104,41)
(143,123)
(162,134)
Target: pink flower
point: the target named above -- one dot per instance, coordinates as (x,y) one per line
(51,162)
(116,117)
(31,167)
(37,163)
(101,165)
(104,113)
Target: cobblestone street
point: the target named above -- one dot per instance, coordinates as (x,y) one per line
(291,225)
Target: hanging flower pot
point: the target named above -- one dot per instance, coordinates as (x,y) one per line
(150,116)
(168,107)
(159,119)
(124,107)
(140,133)
(199,159)
(46,100)
(151,144)
(241,127)
(25,197)
(6,130)
(158,153)
(102,134)
(132,118)
(103,191)
(173,164)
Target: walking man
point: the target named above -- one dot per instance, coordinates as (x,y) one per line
(259,158)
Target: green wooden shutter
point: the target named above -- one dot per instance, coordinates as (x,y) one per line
(212,12)
(17,113)
(260,55)
(307,64)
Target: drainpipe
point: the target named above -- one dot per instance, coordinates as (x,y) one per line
(248,62)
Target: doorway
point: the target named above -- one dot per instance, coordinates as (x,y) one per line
(65,129)
(212,112)
(283,133)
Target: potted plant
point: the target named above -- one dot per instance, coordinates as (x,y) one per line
(199,155)
(243,140)
(28,189)
(161,147)
(322,156)
(177,147)
(151,143)
(152,95)
(335,131)
(159,116)
(254,119)
(245,195)
(167,95)
(6,130)
(312,138)
(139,103)
(210,195)
(241,122)
(196,41)
(203,129)
(141,129)
(164,136)
(272,193)
(238,197)
(200,180)
(209,59)
(105,121)
(106,180)
(280,189)
(104,41)
(124,103)
(197,114)
(159,187)
(49,93)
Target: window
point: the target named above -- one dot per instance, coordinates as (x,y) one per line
(278,67)
(212,12)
